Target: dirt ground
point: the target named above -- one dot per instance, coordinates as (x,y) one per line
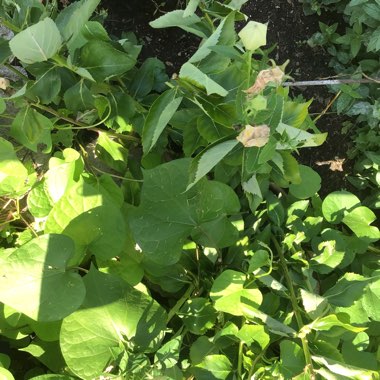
(288,27)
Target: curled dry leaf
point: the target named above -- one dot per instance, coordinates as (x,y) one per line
(264,77)
(335,165)
(4,83)
(254,135)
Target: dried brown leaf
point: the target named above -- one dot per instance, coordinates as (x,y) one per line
(264,77)
(4,83)
(335,165)
(254,135)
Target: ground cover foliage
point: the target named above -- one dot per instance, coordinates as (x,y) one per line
(162,228)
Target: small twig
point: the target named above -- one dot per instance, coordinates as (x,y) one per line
(330,82)
(331,102)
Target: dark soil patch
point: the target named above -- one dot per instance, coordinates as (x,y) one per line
(288,28)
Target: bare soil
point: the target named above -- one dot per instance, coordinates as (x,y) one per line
(289,29)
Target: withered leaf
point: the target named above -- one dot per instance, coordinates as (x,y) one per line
(264,77)
(4,83)
(254,135)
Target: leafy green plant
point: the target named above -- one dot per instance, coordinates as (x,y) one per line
(185,240)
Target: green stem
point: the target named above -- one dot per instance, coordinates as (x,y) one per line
(293,299)
(373,249)
(240,360)
(174,310)
(258,357)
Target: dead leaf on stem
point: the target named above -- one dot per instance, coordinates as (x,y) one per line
(335,165)
(254,136)
(264,77)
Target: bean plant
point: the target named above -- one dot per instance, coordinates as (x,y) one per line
(162,228)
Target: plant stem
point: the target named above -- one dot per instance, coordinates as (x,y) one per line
(174,310)
(240,360)
(293,299)
(373,249)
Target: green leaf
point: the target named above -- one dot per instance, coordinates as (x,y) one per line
(13,174)
(295,113)
(37,43)
(292,359)
(47,353)
(371,300)
(33,130)
(198,315)
(212,367)
(309,185)
(359,220)
(111,152)
(198,78)
(254,333)
(208,159)
(191,8)
(39,203)
(332,321)
(178,18)
(168,355)
(36,281)
(71,19)
(78,97)
(113,314)
(5,374)
(337,204)
(162,110)
(46,86)
(91,218)
(104,61)
(254,35)
(347,290)
(344,369)
(167,214)
(227,292)
(314,304)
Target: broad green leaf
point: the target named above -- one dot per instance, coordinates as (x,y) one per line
(5,361)
(227,292)
(37,43)
(314,304)
(292,359)
(332,321)
(64,171)
(347,290)
(200,79)
(46,331)
(78,97)
(309,185)
(36,280)
(71,19)
(168,355)
(158,117)
(254,35)
(104,61)
(297,138)
(13,174)
(371,300)
(167,215)
(208,159)
(254,333)
(33,130)
(111,152)
(178,18)
(345,369)
(295,113)
(212,367)
(337,204)
(331,252)
(198,315)
(5,374)
(47,353)
(113,314)
(88,215)
(359,220)
(147,78)
(46,86)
